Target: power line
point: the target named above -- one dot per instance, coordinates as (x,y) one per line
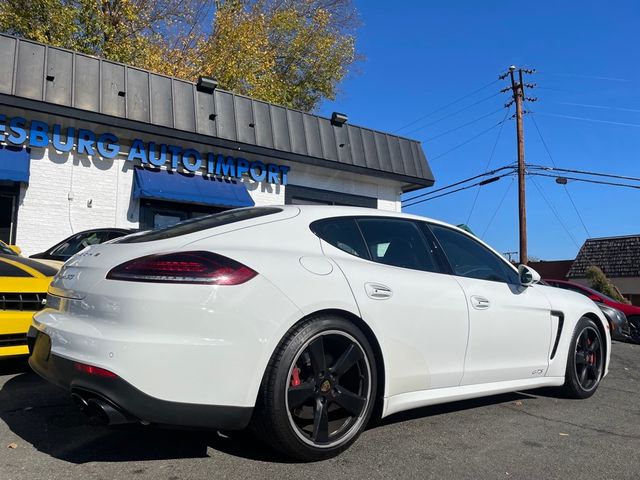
(458,183)
(451,114)
(554,211)
(439,109)
(462,126)
(586,180)
(498,208)
(566,190)
(595,120)
(486,167)
(483,182)
(468,141)
(599,107)
(592,77)
(585,172)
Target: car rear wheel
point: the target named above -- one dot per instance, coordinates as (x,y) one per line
(585,362)
(318,391)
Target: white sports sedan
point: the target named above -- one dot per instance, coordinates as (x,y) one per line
(304,321)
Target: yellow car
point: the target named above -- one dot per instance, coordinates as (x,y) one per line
(23,291)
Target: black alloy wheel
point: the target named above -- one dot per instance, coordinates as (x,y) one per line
(318,391)
(588,358)
(585,362)
(329,388)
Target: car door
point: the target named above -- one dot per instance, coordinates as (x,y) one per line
(418,314)
(510,326)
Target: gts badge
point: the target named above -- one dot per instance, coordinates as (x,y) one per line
(539,371)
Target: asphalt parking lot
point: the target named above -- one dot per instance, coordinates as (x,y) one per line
(523,435)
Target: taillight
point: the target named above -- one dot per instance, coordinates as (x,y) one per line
(183,267)
(94,371)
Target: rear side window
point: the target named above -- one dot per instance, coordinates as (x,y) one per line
(342,233)
(396,242)
(468,258)
(200,223)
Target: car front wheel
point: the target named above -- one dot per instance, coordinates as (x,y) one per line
(585,361)
(318,391)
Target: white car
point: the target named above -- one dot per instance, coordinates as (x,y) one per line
(303,321)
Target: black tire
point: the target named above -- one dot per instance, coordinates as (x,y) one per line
(585,360)
(326,367)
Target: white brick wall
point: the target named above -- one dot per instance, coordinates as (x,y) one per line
(46,215)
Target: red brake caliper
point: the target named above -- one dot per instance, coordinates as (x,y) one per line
(591,357)
(295,377)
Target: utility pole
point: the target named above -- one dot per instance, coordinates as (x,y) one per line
(517,87)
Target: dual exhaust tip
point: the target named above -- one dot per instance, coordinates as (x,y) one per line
(100,411)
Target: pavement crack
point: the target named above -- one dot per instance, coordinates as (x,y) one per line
(577,425)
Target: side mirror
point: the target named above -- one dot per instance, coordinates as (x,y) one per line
(15,248)
(528,276)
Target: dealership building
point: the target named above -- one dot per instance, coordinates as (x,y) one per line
(88,143)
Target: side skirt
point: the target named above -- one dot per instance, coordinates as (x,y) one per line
(423,398)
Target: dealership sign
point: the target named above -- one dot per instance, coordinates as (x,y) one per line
(18,131)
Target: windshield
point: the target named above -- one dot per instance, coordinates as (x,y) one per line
(73,245)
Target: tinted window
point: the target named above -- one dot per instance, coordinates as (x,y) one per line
(397,242)
(73,245)
(469,258)
(200,223)
(342,233)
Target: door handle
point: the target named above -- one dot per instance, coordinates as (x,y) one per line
(377,291)
(480,303)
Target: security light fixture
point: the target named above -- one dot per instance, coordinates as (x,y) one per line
(339,118)
(206,84)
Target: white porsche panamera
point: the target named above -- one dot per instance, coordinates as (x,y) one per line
(304,321)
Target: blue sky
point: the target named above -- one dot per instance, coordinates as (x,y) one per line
(423,55)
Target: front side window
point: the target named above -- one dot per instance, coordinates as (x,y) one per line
(468,258)
(398,243)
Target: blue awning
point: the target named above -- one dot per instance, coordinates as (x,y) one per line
(178,187)
(14,163)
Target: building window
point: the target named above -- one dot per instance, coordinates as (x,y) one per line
(156,214)
(8,212)
(296,195)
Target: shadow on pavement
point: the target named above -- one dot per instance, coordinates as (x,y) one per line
(445,408)
(44,416)
(13,365)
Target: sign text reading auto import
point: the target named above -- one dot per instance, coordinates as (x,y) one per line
(39,134)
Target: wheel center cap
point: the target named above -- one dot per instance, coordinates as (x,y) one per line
(325,386)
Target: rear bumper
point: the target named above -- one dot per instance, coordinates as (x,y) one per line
(127,398)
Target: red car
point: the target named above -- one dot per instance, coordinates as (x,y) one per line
(631,311)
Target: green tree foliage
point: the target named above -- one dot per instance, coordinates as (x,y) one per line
(599,282)
(291,52)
